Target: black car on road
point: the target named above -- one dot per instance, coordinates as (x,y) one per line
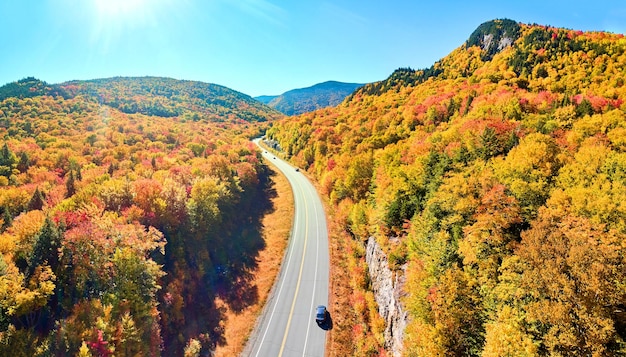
(321,315)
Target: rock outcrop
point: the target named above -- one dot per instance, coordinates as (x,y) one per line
(388,290)
(273,144)
(494,36)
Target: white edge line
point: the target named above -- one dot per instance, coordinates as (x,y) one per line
(282,284)
(317,251)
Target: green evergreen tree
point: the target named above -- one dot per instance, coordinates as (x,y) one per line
(70,185)
(24,162)
(488,144)
(7,161)
(4,316)
(584,108)
(3,266)
(36,201)
(91,139)
(46,248)
(7,219)
(74,166)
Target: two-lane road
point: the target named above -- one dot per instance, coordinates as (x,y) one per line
(287,326)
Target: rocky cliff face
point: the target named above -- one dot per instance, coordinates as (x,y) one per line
(272,144)
(494,36)
(388,290)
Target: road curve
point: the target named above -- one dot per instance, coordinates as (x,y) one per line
(287,326)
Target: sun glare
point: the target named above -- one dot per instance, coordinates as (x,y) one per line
(118,7)
(119,20)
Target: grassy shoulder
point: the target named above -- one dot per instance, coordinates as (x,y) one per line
(340,339)
(357,326)
(276,227)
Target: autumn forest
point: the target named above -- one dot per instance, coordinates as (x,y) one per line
(494,180)
(119,221)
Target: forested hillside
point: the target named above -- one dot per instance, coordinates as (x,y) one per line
(119,228)
(157,96)
(496,182)
(168,97)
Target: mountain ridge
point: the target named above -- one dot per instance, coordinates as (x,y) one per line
(317,96)
(265,99)
(152,95)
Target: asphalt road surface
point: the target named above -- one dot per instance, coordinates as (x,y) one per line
(287,326)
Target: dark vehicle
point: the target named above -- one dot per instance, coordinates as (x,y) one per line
(297,169)
(321,315)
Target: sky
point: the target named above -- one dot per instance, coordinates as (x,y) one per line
(259,47)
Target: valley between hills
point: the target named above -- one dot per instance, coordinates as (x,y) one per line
(475,207)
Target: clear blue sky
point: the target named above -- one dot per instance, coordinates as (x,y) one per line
(259,46)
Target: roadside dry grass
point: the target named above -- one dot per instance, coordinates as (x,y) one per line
(276,227)
(339,341)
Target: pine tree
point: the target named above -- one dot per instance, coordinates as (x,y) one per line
(36,201)
(24,162)
(70,185)
(74,166)
(46,247)
(6,156)
(584,108)
(3,266)
(7,219)
(7,161)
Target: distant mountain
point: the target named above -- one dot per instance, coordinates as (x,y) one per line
(303,100)
(266,99)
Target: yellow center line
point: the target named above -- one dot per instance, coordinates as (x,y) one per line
(295,295)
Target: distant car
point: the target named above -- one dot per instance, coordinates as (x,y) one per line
(321,315)
(274,157)
(297,169)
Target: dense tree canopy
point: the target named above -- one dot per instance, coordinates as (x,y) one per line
(119,230)
(496,179)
